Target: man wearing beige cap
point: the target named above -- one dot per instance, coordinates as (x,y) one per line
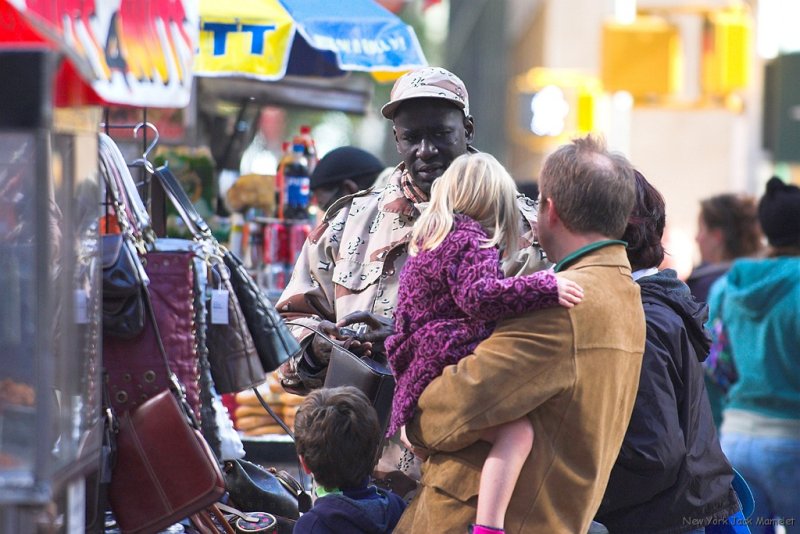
(348,270)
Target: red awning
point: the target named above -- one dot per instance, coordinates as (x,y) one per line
(137,53)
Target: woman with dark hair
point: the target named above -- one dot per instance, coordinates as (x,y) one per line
(727,228)
(671,475)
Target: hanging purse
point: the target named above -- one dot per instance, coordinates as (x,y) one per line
(124,276)
(273,342)
(232,354)
(134,367)
(135,372)
(373,377)
(165,470)
(123,307)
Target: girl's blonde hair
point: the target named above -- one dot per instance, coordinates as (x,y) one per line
(478,186)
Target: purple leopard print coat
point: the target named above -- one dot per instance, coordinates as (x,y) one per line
(448,302)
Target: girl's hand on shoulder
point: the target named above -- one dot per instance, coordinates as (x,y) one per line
(569,293)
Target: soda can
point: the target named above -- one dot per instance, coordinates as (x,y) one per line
(297,237)
(270,242)
(283,249)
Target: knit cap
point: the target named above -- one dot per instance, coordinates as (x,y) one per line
(345,163)
(779,213)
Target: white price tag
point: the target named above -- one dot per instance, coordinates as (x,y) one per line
(81,306)
(219,306)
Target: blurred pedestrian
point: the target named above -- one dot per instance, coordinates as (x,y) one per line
(671,475)
(727,228)
(757,306)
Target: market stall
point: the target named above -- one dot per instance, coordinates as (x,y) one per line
(68,60)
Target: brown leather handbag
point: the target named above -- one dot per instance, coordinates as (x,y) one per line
(165,470)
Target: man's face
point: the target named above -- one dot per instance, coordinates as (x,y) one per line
(430,134)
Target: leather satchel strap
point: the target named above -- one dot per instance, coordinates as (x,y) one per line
(180,200)
(176,387)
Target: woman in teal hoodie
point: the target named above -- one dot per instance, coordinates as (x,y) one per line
(755,310)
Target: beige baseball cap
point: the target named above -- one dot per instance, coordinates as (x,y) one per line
(427,82)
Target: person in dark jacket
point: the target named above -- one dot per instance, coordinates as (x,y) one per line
(337,436)
(671,475)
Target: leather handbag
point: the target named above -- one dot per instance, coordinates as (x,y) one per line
(371,376)
(235,365)
(273,341)
(164,469)
(123,273)
(233,359)
(253,488)
(123,306)
(135,369)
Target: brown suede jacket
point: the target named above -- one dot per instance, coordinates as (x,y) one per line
(573,372)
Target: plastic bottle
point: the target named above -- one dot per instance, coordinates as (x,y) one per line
(297,185)
(309,146)
(280,180)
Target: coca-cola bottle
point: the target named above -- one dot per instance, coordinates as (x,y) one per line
(297,185)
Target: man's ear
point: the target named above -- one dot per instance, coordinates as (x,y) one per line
(396,141)
(303,464)
(551,212)
(469,129)
(349,187)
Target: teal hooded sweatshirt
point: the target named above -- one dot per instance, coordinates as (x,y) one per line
(759,303)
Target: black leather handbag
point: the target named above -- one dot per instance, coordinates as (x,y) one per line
(371,376)
(124,277)
(274,342)
(253,488)
(123,302)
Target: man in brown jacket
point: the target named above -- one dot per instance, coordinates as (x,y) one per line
(573,372)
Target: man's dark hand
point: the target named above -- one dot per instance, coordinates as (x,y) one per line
(378,327)
(321,347)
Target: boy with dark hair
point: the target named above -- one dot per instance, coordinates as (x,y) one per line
(337,437)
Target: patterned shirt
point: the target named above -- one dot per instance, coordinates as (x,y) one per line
(449,300)
(352,260)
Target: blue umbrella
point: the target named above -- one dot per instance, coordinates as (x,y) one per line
(269,39)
